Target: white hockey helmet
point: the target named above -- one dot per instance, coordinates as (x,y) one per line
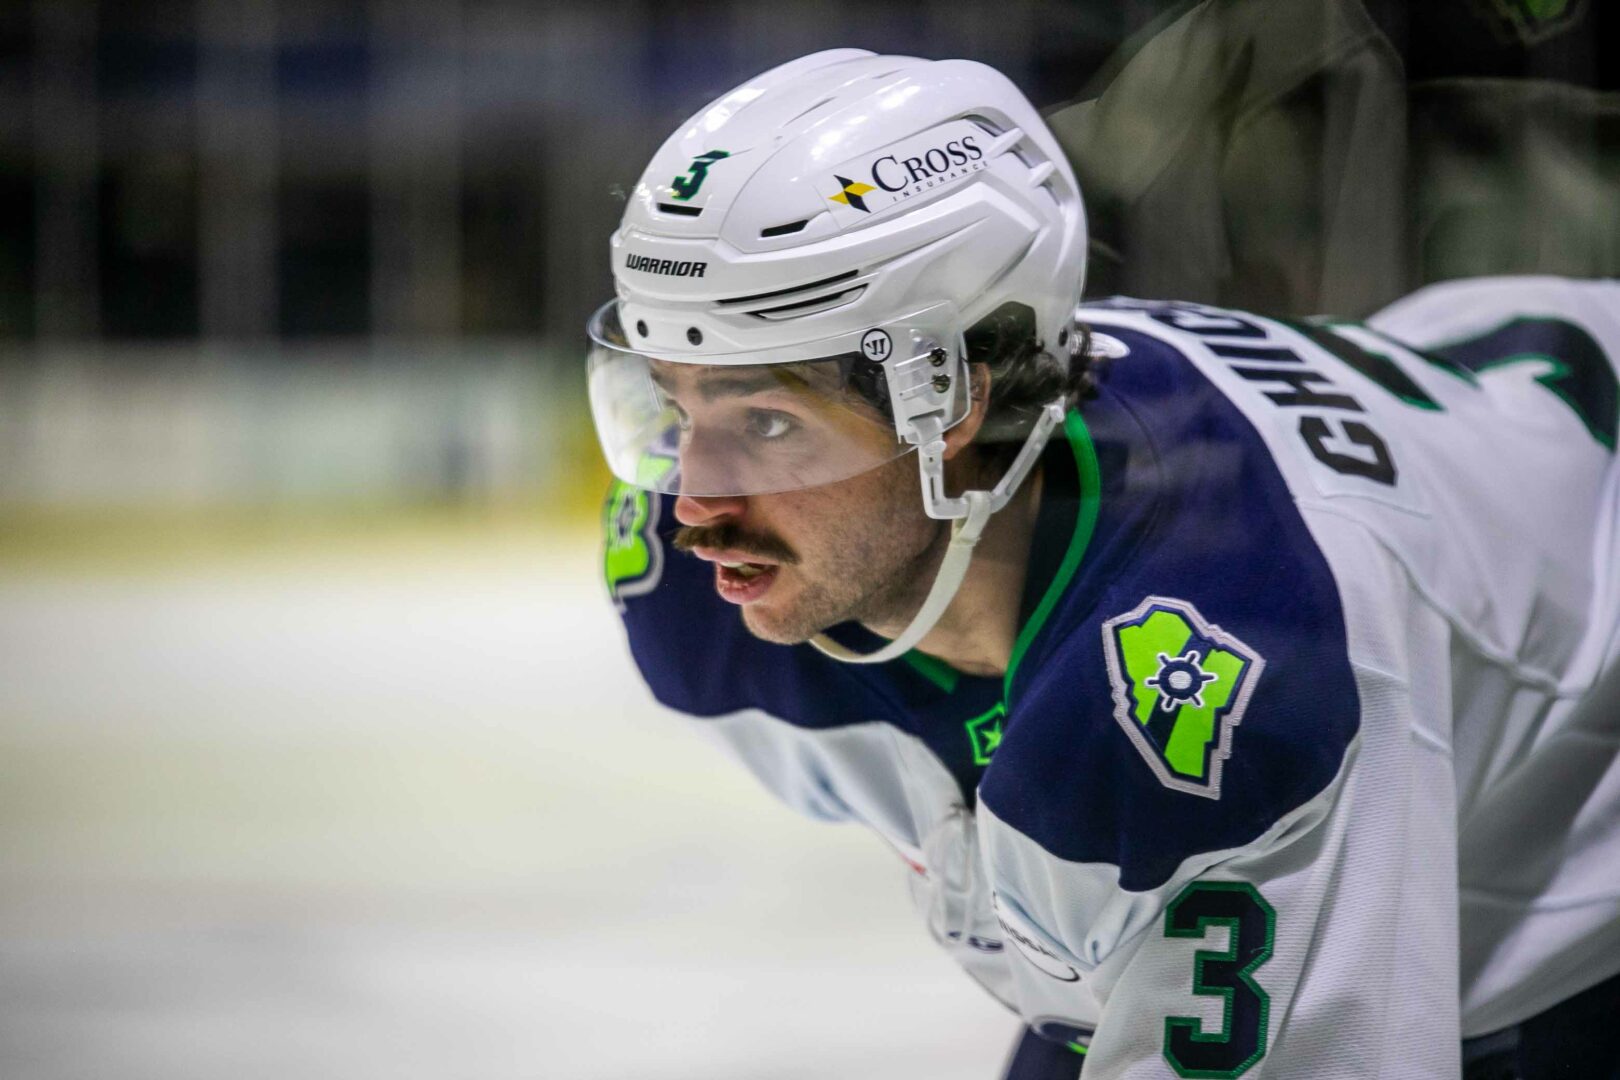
(796,270)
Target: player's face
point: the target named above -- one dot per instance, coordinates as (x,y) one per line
(798,562)
(801,560)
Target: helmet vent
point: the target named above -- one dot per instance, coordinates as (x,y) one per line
(811,306)
(835,279)
(683,211)
(811,109)
(783,230)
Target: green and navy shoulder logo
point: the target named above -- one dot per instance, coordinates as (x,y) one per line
(1180,686)
(633,554)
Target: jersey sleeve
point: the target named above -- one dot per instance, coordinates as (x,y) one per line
(1321,944)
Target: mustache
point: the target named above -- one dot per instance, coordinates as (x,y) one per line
(728,536)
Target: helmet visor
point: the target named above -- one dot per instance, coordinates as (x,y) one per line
(736,428)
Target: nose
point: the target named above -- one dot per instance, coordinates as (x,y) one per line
(708,509)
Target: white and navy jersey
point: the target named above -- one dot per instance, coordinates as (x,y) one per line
(1306,760)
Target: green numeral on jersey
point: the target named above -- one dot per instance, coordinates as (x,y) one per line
(1229,974)
(1576,369)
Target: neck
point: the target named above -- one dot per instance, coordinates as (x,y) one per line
(977,632)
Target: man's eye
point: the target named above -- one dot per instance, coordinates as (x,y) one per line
(683,421)
(769,424)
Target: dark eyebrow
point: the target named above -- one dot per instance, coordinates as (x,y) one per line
(739,384)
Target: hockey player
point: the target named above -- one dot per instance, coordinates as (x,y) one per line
(1242,693)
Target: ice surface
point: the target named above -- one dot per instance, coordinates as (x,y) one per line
(414,816)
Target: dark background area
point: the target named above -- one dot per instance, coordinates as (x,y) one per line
(249,170)
(263,254)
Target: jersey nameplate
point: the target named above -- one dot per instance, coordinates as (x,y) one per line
(1180,686)
(1350,447)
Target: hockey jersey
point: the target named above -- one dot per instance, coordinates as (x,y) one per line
(1306,759)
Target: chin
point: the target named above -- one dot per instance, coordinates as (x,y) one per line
(794,616)
(795,619)
(778,628)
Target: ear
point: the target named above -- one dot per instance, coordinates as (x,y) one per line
(978,405)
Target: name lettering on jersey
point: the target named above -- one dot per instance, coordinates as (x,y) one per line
(633,554)
(1348,447)
(666,267)
(1180,685)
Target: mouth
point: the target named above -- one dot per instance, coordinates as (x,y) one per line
(739,580)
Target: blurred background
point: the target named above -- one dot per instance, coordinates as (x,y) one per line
(320,750)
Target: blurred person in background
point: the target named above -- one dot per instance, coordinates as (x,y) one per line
(1254,714)
(1302,156)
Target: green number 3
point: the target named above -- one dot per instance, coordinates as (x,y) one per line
(1229,974)
(1576,369)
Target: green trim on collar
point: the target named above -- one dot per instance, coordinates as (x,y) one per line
(934,670)
(1085,460)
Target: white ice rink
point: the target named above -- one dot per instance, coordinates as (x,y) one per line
(414,816)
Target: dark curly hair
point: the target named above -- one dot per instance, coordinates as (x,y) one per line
(1024,376)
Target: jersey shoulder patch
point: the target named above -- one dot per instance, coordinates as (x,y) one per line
(1180,685)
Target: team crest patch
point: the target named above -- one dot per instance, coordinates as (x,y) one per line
(1180,685)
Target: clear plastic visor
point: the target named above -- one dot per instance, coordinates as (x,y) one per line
(736,428)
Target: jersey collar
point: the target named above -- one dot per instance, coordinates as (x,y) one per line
(1070,497)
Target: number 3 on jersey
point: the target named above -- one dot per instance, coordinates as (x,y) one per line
(1228,974)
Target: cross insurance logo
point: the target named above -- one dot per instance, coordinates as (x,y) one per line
(870,184)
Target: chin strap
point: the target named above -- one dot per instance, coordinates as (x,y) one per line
(969,513)
(964,535)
